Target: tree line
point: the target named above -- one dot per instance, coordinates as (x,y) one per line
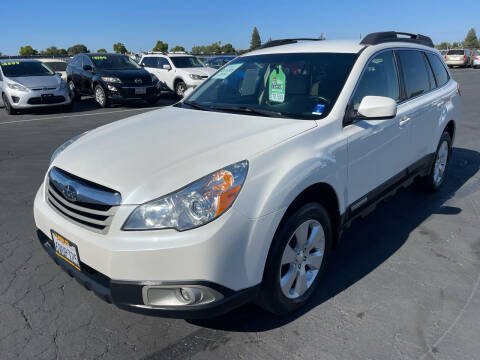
(471,41)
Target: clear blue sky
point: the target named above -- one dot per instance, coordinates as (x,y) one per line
(139,23)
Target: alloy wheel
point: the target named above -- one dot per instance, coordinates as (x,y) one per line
(302,259)
(441,163)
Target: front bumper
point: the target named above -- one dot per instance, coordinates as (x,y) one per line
(127,92)
(229,252)
(38,98)
(128,295)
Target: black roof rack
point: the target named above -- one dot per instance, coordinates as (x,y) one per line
(393,36)
(279,42)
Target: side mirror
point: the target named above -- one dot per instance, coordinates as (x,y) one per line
(142,65)
(167,67)
(377,108)
(58,74)
(87,67)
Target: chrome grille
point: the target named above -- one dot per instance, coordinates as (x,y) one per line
(87,204)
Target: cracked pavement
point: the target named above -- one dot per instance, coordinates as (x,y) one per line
(403,283)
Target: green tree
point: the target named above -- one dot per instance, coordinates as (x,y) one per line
(102,50)
(471,40)
(443,46)
(160,46)
(62,52)
(51,51)
(255,42)
(456,45)
(177,48)
(227,49)
(27,50)
(77,49)
(119,48)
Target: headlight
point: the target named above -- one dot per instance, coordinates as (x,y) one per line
(195,77)
(111,79)
(154,79)
(65,145)
(194,205)
(15,86)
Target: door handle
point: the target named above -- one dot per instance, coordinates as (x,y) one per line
(404,121)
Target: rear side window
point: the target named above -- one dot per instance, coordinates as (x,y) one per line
(380,78)
(439,70)
(415,73)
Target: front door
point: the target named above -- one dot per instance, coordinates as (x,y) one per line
(378,150)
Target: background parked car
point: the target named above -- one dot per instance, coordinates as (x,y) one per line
(57,65)
(219,61)
(28,84)
(476,59)
(110,78)
(459,57)
(177,72)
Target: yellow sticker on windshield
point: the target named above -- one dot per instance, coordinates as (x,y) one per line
(9,63)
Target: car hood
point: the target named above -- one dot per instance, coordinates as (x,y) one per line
(33,82)
(152,154)
(203,71)
(128,76)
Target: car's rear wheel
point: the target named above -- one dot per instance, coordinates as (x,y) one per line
(180,88)
(8,107)
(297,259)
(438,172)
(101,97)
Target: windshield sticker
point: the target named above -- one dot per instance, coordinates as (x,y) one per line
(99,57)
(276,90)
(226,71)
(10,63)
(318,109)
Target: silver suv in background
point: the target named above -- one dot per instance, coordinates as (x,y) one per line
(459,57)
(28,84)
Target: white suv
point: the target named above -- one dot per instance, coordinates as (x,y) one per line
(177,71)
(241,191)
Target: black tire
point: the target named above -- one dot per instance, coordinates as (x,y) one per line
(8,107)
(102,100)
(271,296)
(180,88)
(430,182)
(76,95)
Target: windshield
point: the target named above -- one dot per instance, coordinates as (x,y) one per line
(25,68)
(303,86)
(56,65)
(456,52)
(186,61)
(114,62)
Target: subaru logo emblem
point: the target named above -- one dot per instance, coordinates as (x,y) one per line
(138,81)
(70,193)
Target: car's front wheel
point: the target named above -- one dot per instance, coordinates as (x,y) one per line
(297,259)
(180,88)
(101,97)
(8,107)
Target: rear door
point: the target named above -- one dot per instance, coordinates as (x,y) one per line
(425,103)
(378,150)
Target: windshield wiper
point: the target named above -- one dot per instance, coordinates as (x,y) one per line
(196,106)
(246,109)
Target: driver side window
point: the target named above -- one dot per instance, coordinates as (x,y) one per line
(380,78)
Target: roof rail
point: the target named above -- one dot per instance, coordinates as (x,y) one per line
(279,42)
(393,36)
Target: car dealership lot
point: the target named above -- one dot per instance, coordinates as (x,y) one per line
(403,284)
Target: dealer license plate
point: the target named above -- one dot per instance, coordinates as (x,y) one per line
(66,250)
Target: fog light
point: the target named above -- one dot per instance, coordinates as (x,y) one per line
(111,88)
(158,295)
(15,99)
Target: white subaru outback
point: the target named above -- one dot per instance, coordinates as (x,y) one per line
(240,192)
(177,71)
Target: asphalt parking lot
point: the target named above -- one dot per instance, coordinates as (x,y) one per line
(403,284)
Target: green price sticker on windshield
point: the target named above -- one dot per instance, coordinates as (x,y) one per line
(10,63)
(276,91)
(99,57)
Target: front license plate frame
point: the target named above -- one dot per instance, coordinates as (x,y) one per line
(66,250)
(141,91)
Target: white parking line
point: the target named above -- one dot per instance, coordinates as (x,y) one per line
(77,115)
